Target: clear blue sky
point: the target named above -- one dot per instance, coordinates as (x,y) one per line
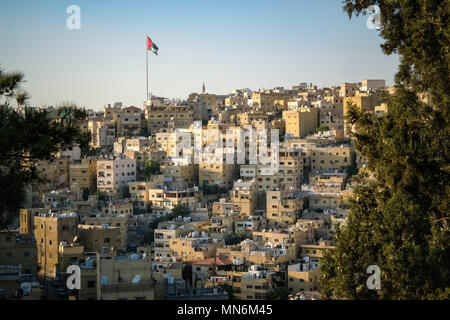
(228,44)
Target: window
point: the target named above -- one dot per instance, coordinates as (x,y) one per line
(91,284)
(106,240)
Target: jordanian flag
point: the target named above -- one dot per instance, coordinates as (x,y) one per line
(152,46)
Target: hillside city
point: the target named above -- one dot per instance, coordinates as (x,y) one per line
(214,197)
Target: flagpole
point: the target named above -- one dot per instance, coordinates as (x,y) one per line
(146,62)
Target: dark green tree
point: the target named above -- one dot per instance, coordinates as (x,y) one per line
(322,128)
(22,98)
(180,210)
(228,289)
(401,221)
(101,196)
(279,293)
(25,138)
(186,272)
(151,168)
(214,189)
(234,238)
(86,194)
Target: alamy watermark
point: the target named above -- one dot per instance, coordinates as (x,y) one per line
(374,21)
(74,279)
(73,22)
(374,281)
(238,145)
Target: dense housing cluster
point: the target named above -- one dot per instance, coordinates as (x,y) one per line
(142,224)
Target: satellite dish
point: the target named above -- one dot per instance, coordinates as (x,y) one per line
(136,279)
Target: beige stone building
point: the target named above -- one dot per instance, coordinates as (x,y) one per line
(18,250)
(180,176)
(293,236)
(188,249)
(132,121)
(83,175)
(256,284)
(164,200)
(119,221)
(325,200)
(249,117)
(301,122)
(315,250)
(264,101)
(219,174)
(54,171)
(166,118)
(69,254)
(283,207)
(330,158)
(95,238)
(221,207)
(348,89)
(49,231)
(290,173)
(139,190)
(162,237)
(304,276)
(248,253)
(126,277)
(243,196)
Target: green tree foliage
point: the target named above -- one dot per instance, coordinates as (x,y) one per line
(151,168)
(418,31)
(22,97)
(351,170)
(86,194)
(101,196)
(186,272)
(214,189)
(228,289)
(279,293)
(178,210)
(322,128)
(149,207)
(401,222)
(234,238)
(26,138)
(277,114)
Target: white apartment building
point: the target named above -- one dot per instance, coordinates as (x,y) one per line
(113,175)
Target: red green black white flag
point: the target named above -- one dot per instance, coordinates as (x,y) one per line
(152,46)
